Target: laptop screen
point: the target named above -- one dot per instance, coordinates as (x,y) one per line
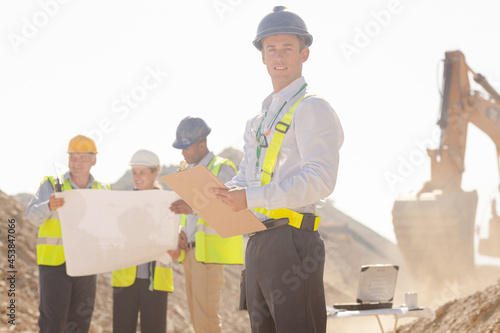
(377,283)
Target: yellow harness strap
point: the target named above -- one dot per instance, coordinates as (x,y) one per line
(275,145)
(281,128)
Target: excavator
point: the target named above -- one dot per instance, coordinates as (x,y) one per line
(435,227)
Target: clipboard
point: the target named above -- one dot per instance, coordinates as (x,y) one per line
(194,187)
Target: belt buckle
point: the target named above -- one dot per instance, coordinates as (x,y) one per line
(308,222)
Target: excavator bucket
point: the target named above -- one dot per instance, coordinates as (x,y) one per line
(491,245)
(435,233)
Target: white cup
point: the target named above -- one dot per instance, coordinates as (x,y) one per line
(411,300)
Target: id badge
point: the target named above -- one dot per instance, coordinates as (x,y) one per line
(256,178)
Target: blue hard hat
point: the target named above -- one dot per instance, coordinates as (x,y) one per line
(281,21)
(190,131)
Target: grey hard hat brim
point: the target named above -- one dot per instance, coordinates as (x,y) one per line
(258,42)
(281,21)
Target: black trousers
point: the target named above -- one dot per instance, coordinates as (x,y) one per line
(284,285)
(66,303)
(129,301)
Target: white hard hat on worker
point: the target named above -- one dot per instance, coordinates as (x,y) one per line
(145,169)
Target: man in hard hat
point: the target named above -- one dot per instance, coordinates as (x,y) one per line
(204,251)
(66,303)
(290,163)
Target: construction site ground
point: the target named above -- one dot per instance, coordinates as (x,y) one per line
(471,306)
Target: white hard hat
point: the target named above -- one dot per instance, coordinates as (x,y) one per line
(146,158)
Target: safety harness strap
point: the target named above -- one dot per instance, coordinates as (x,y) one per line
(275,145)
(295,219)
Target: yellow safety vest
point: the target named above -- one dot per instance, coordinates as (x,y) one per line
(49,247)
(210,247)
(162,277)
(295,219)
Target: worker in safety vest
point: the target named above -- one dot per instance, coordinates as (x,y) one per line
(204,252)
(66,303)
(143,288)
(290,163)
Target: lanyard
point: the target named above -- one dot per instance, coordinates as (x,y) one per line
(259,135)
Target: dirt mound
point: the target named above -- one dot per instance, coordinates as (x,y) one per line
(477,313)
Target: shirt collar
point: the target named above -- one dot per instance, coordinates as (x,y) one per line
(89,185)
(286,93)
(206,160)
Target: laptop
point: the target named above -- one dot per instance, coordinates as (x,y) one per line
(376,287)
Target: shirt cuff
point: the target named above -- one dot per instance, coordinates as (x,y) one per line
(255,197)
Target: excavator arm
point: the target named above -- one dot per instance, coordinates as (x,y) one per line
(435,228)
(485,114)
(459,106)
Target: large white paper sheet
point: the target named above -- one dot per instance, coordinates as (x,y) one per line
(104,230)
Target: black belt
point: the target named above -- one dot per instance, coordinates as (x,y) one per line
(272,224)
(191,245)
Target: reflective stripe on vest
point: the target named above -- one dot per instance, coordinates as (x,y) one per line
(162,277)
(49,248)
(281,128)
(210,247)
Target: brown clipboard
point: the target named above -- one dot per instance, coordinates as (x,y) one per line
(194,187)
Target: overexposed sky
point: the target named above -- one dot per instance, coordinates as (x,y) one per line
(126,72)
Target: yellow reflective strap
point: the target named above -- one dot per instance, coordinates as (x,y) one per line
(294,218)
(316,222)
(274,147)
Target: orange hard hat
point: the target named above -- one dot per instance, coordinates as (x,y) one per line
(82,144)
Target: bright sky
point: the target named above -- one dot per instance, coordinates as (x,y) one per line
(126,72)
